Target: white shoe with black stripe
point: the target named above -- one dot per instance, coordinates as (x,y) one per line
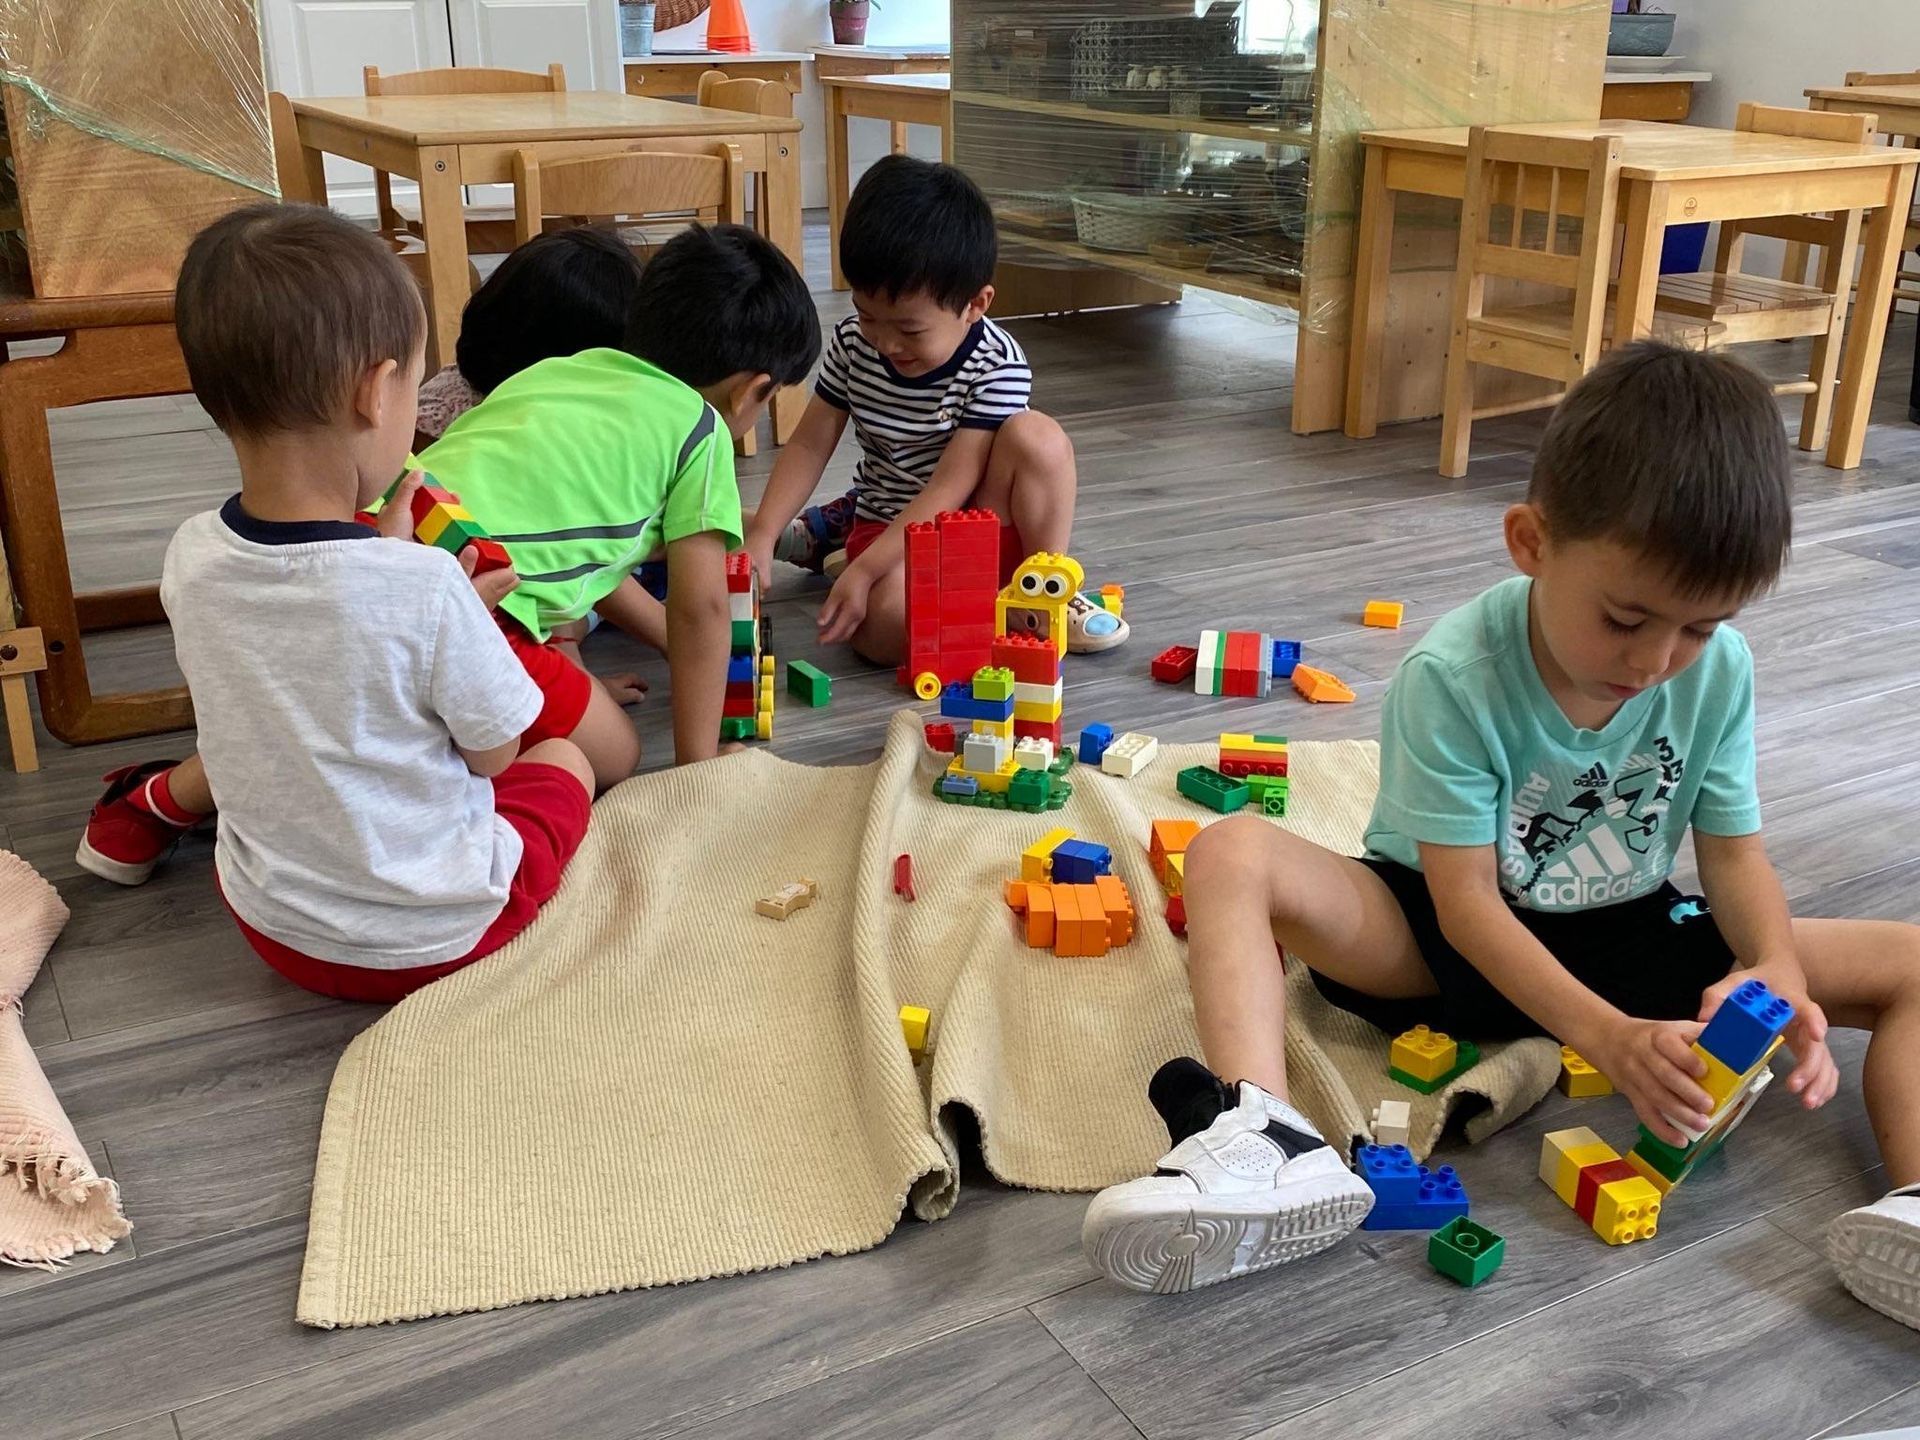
(1876,1250)
(1247,1186)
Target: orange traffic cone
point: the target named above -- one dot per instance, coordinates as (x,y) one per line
(727,27)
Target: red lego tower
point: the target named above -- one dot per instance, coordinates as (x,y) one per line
(953,575)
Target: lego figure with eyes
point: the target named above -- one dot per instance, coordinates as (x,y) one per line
(938,398)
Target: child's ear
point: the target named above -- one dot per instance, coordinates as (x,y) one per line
(977,306)
(1526,532)
(750,391)
(373,394)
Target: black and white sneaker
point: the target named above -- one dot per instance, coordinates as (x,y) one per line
(1246,1187)
(1876,1250)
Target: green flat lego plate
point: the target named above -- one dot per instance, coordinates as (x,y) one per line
(992,800)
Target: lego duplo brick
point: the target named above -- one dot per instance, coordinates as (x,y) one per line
(1390,1172)
(1627,1209)
(1030,790)
(1174,664)
(1130,754)
(1319,686)
(1746,1024)
(1286,655)
(992,684)
(1210,788)
(1030,754)
(958,702)
(1468,1057)
(1555,1144)
(1578,1079)
(914,1020)
(1048,730)
(1094,740)
(1586,1193)
(1210,663)
(1441,1197)
(1383,614)
(1036,861)
(1176,881)
(1465,1252)
(1424,1053)
(1118,905)
(1391,1122)
(1077,862)
(1032,660)
(809,683)
(1176,914)
(1166,839)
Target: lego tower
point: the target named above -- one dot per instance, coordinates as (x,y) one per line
(953,574)
(748,711)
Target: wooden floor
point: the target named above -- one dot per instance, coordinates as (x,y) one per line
(197,1077)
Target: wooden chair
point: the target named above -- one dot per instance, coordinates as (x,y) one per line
(719,91)
(489,227)
(22,653)
(1513,177)
(628,183)
(1742,308)
(1906,280)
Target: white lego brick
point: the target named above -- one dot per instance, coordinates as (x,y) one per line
(1033,753)
(1039,694)
(1129,754)
(740,605)
(1391,1119)
(984,754)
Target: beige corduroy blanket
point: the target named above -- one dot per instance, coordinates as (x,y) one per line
(52,1201)
(655,1084)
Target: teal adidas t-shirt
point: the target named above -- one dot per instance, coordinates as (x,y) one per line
(1475,751)
(583,466)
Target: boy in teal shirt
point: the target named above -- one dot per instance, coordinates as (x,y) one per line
(585,465)
(1544,751)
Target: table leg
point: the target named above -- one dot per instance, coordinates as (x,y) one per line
(312,178)
(1370,272)
(1823,368)
(1860,367)
(1646,222)
(837,184)
(443,225)
(781,193)
(897,136)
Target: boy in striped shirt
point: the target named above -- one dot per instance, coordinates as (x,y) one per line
(938,398)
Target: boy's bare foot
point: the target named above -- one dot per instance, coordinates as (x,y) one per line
(1876,1250)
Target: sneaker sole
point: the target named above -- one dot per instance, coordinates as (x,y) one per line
(1878,1261)
(1166,1245)
(1097,644)
(120,872)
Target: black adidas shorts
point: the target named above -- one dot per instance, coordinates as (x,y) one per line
(1651,957)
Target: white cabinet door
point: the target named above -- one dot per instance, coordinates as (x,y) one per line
(319,47)
(583,35)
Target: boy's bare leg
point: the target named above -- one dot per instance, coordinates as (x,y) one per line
(565,755)
(187,785)
(631,609)
(607,738)
(1031,481)
(1251,887)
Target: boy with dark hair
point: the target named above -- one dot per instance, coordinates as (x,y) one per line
(586,465)
(1544,751)
(360,714)
(938,398)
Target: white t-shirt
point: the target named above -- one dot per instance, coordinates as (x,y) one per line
(332,673)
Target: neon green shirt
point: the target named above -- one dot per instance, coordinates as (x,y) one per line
(583,466)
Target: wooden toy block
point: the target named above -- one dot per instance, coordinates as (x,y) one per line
(1212,789)
(1031,754)
(1036,861)
(1174,664)
(1555,1145)
(914,1020)
(1579,1079)
(783,902)
(1627,1209)
(1130,754)
(1168,838)
(1390,1122)
(1423,1053)
(1320,687)
(1094,740)
(1465,1252)
(903,877)
(1383,614)
(809,683)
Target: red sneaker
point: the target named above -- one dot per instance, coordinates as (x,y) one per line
(126,836)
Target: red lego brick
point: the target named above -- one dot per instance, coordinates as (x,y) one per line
(1177,914)
(730,708)
(1592,1178)
(940,737)
(739,572)
(1033,661)
(1175,663)
(492,555)
(903,877)
(428,496)
(1049,731)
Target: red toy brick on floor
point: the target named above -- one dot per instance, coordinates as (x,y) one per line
(903,877)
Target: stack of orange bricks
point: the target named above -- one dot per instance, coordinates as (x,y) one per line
(1074,919)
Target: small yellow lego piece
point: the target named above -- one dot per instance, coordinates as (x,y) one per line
(1176,874)
(1578,1078)
(1383,614)
(1626,1210)
(1036,861)
(1555,1144)
(1424,1054)
(914,1020)
(1566,1181)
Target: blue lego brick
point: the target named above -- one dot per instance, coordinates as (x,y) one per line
(1094,740)
(1745,1025)
(957,702)
(959,785)
(1390,1172)
(1286,655)
(1077,862)
(1441,1198)
(740,670)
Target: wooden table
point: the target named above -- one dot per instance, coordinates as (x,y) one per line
(1677,174)
(1649,95)
(448,141)
(1896,109)
(116,348)
(833,61)
(675,75)
(902,100)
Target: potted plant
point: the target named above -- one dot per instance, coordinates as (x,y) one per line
(849,19)
(1638,32)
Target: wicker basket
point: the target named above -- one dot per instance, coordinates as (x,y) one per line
(1043,212)
(672,14)
(1133,224)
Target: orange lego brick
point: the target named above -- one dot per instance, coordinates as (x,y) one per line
(1042,917)
(1015,894)
(1320,687)
(1118,906)
(1094,935)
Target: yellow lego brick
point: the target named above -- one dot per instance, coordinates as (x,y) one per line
(438,518)
(1036,861)
(1383,614)
(1566,1180)
(766,664)
(1001,728)
(1555,1144)
(1000,781)
(763,725)
(914,1020)
(1719,1081)
(1176,874)
(1652,1176)
(1578,1078)
(1033,710)
(1626,1210)
(1424,1054)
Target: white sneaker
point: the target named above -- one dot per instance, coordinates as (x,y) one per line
(1876,1249)
(1092,628)
(1255,1188)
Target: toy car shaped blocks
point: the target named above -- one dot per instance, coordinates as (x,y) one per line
(747,711)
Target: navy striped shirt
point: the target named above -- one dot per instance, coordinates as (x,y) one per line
(903,424)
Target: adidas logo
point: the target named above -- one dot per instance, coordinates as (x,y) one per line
(1596,872)
(1593,779)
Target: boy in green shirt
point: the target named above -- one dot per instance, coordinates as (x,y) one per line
(1544,752)
(585,465)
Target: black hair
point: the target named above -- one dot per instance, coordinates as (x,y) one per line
(1679,455)
(558,294)
(717,300)
(282,308)
(917,228)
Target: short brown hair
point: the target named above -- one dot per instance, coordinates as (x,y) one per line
(1679,455)
(282,308)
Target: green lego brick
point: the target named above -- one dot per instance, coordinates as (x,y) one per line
(1274,804)
(1029,787)
(1672,1161)
(737,727)
(458,534)
(1264,785)
(992,684)
(1062,762)
(1466,1252)
(809,683)
(1057,796)
(1212,789)
(1468,1057)
(742,639)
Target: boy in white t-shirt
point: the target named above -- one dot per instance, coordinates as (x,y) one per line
(360,712)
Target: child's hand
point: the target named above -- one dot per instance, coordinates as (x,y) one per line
(1652,1063)
(492,587)
(1815,1077)
(846,606)
(761,553)
(626,688)
(395,520)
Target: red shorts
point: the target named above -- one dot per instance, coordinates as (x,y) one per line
(1012,552)
(564,687)
(550,811)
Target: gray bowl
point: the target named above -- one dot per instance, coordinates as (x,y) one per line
(1640,35)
